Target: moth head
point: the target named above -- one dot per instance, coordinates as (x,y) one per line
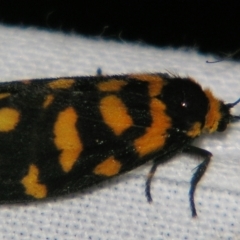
(226,116)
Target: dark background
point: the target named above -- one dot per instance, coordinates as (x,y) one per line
(209,25)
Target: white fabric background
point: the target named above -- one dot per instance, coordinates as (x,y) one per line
(118,209)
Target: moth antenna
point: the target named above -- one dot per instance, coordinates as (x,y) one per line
(231,105)
(235,118)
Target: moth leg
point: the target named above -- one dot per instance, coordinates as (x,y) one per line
(197,175)
(149,180)
(151,173)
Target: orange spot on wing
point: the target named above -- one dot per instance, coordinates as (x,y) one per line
(112,85)
(115,114)
(61,83)
(48,100)
(156,83)
(108,167)
(4,95)
(9,118)
(67,139)
(32,185)
(155,136)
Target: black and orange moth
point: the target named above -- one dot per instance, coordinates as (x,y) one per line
(58,136)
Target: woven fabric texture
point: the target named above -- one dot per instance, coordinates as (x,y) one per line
(117,209)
